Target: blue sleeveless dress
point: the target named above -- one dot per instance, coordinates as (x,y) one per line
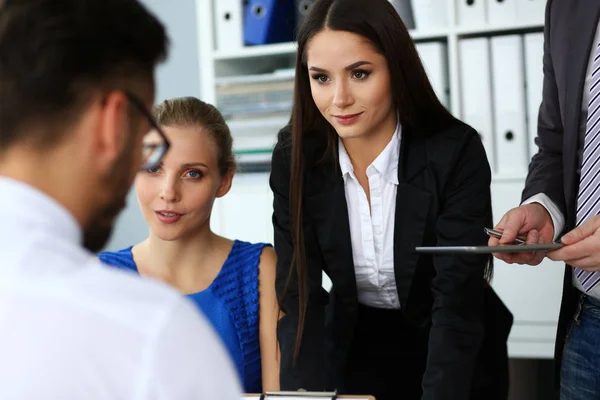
(230,303)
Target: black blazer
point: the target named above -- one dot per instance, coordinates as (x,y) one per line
(569,32)
(443,198)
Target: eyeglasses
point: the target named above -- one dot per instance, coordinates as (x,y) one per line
(155,143)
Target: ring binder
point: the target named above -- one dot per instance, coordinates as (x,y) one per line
(268,21)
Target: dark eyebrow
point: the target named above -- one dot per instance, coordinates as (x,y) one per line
(191,165)
(348,68)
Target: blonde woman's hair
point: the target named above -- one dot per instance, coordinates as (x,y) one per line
(190,112)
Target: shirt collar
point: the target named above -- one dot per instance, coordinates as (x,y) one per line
(345,163)
(22,203)
(386,162)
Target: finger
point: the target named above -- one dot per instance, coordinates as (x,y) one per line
(493,241)
(588,263)
(500,225)
(529,258)
(508,258)
(533,237)
(580,249)
(518,258)
(538,258)
(581,232)
(561,254)
(512,225)
(532,258)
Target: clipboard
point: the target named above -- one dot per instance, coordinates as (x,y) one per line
(300,395)
(507,248)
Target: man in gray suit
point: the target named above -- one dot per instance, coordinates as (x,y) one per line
(562,191)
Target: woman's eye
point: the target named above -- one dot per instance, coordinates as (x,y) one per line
(321,78)
(194,174)
(152,170)
(360,74)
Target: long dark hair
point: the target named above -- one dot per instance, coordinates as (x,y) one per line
(418,107)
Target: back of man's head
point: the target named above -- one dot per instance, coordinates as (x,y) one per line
(76,85)
(55,54)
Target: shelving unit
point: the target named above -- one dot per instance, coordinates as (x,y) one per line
(532,293)
(258,51)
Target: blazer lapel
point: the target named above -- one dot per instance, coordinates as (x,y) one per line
(412,208)
(328,210)
(585,21)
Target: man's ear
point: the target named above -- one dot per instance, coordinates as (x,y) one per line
(111,127)
(225,185)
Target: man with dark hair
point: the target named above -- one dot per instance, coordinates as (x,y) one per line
(76,86)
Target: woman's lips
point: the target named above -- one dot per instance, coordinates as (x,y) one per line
(168,217)
(347,119)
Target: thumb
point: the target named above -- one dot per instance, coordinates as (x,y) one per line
(512,224)
(579,233)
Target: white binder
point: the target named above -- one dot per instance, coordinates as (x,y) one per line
(430,15)
(470,12)
(534,76)
(229,22)
(531,11)
(435,60)
(476,91)
(510,134)
(501,12)
(405,10)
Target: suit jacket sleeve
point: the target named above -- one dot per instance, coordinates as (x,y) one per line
(546,168)
(457,315)
(309,370)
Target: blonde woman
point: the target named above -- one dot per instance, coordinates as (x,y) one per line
(231,281)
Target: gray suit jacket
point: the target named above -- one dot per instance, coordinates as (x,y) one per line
(569,31)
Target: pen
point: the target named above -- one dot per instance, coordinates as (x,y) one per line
(498,234)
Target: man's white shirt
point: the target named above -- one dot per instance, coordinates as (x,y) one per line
(72,328)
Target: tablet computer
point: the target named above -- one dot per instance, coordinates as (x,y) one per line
(507,248)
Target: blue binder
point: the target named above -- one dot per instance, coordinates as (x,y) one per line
(269,21)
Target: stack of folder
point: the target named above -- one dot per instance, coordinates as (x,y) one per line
(257,22)
(255,96)
(256,107)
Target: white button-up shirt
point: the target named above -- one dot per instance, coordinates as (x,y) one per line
(372,230)
(71,328)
